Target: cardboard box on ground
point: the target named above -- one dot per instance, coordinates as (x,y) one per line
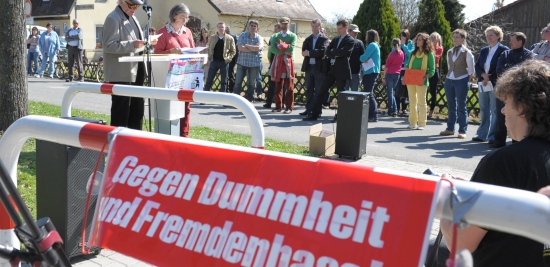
(321,142)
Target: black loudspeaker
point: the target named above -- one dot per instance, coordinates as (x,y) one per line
(351,129)
(62,178)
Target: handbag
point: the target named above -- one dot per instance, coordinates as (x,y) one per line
(414,77)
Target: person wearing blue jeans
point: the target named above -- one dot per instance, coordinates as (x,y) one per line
(456,92)
(487,102)
(49,46)
(486,66)
(221,50)
(251,75)
(216,65)
(391,83)
(33,52)
(372,53)
(250,46)
(391,79)
(259,84)
(461,68)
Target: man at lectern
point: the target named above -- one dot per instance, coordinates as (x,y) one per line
(122,36)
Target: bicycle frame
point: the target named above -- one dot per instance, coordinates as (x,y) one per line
(42,242)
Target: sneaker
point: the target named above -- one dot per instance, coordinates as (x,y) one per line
(68,80)
(412,127)
(287,111)
(373,120)
(394,115)
(267,106)
(276,110)
(462,135)
(420,128)
(37,76)
(303,113)
(446,133)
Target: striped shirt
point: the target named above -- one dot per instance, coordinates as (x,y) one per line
(250,59)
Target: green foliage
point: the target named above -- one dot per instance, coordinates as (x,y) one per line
(378,15)
(433,19)
(454,13)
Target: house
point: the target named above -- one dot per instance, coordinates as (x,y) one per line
(60,13)
(235,13)
(204,14)
(527,16)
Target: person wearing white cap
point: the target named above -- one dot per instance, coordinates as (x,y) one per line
(354,63)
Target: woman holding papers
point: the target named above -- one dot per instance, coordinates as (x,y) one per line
(176,36)
(486,76)
(371,70)
(422,58)
(457,84)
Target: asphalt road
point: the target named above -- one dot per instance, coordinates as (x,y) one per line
(388,138)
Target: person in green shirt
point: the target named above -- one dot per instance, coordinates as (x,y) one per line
(282,67)
(422,58)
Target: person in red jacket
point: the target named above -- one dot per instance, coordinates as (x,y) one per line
(174,37)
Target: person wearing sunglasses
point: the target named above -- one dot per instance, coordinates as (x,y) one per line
(123,36)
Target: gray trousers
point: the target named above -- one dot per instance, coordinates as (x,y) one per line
(75,56)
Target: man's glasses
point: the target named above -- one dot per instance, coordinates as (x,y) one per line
(131,6)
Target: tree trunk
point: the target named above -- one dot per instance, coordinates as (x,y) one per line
(13,63)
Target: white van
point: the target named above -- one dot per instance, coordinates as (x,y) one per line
(29,29)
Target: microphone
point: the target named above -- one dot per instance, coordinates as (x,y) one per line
(147,10)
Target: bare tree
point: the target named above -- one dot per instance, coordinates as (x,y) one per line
(476,30)
(13,82)
(406,12)
(498,4)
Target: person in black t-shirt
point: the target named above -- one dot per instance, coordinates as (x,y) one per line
(525,91)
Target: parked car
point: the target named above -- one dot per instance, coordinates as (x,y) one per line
(62,43)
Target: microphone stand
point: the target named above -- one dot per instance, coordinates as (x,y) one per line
(148,10)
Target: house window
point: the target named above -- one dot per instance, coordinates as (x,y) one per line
(194,24)
(293,27)
(98,36)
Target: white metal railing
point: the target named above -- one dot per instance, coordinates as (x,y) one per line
(509,210)
(251,114)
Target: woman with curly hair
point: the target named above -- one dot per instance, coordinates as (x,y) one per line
(525,165)
(422,58)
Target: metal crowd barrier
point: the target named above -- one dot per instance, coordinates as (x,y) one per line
(251,114)
(509,210)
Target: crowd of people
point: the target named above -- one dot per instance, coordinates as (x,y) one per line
(46,46)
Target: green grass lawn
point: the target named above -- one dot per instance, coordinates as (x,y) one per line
(26,172)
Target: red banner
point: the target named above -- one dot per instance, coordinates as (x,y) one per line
(178,204)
